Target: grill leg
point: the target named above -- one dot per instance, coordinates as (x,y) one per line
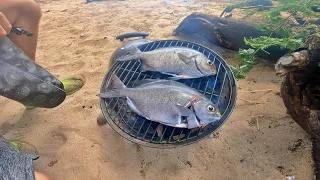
(101,120)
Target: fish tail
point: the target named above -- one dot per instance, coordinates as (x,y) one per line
(115,83)
(114,88)
(110,94)
(133,53)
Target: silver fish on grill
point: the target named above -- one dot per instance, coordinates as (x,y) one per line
(180,62)
(166,102)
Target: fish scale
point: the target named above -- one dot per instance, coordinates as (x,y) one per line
(161,107)
(170,63)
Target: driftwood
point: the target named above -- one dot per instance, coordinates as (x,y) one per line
(301,90)
(228,33)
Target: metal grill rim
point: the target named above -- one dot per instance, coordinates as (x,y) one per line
(133,136)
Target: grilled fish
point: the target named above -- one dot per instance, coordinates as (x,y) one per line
(180,62)
(166,102)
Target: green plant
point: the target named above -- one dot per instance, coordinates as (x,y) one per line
(293,36)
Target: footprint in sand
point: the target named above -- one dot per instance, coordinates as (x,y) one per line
(53,142)
(76,31)
(94,42)
(70,67)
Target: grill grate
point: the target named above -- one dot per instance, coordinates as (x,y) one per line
(220,89)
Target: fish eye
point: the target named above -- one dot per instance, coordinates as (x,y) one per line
(210,108)
(210,62)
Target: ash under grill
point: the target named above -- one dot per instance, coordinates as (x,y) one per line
(220,89)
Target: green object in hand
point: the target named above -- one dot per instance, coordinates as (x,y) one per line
(16,144)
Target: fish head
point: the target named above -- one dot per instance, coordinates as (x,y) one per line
(205,66)
(206,111)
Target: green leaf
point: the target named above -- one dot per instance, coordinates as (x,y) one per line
(292,36)
(264,42)
(245,53)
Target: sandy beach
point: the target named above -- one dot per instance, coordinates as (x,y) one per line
(72,146)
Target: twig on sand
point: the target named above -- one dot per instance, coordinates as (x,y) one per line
(258,127)
(252,102)
(256,118)
(262,90)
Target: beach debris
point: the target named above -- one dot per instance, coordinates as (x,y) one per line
(255,121)
(82,35)
(89,1)
(143,173)
(189,163)
(291,178)
(295,145)
(52,163)
(254,91)
(211,136)
(280,168)
(250,102)
(215,135)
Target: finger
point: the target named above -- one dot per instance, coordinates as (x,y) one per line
(4,22)
(3,32)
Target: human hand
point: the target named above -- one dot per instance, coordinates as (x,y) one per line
(5,26)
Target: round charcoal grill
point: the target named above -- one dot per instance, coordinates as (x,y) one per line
(220,88)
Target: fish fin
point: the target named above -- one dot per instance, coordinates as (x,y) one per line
(133,107)
(115,83)
(113,88)
(110,94)
(181,125)
(133,53)
(184,111)
(191,118)
(182,76)
(187,59)
(128,57)
(145,67)
(145,81)
(170,74)
(193,122)
(133,49)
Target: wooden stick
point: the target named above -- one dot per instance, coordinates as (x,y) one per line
(258,127)
(263,90)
